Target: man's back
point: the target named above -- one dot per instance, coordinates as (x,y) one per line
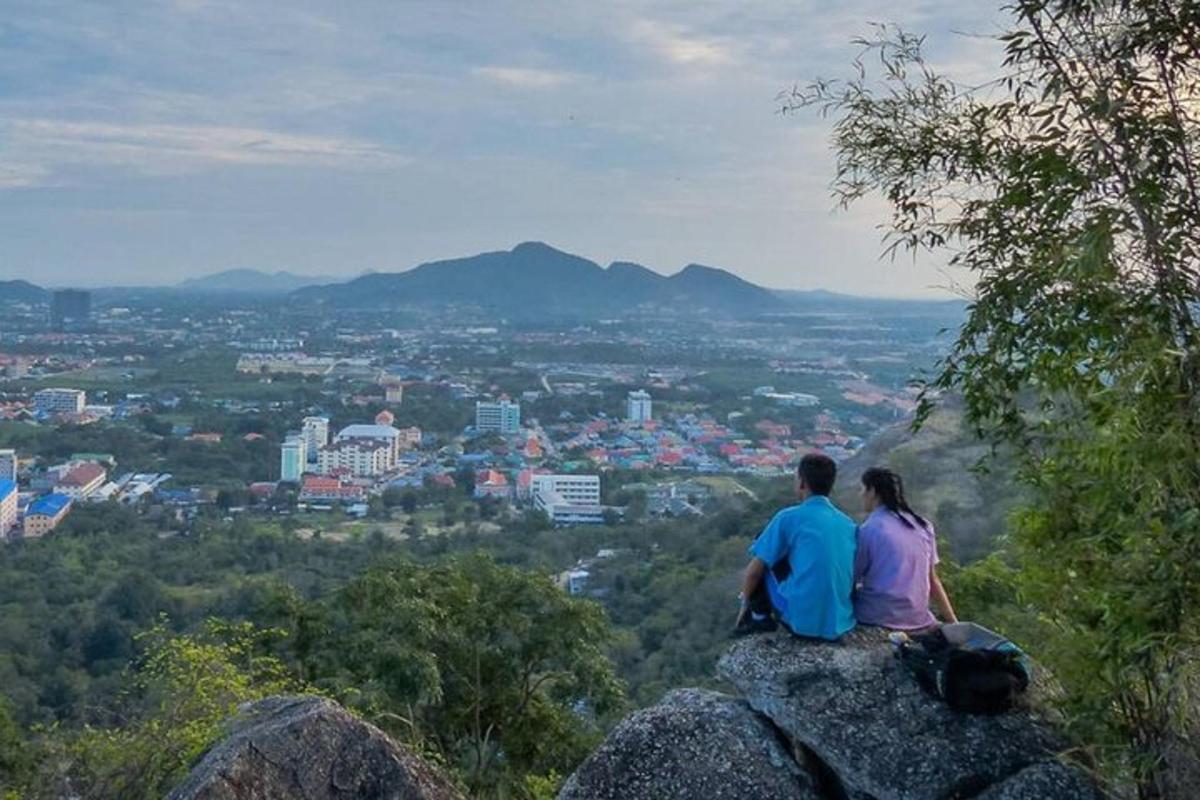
(818,542)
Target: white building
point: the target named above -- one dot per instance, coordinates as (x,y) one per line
(81,481)
(60,401)
(315,431)
(293,457)
(356,456)
(387,433)
(568,499)
(638,406)
(8,465)
(502,416)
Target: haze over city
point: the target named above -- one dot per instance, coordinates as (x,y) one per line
(144,144)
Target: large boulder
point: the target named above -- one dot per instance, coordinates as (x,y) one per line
(693,745)
(865,718)
(309,748)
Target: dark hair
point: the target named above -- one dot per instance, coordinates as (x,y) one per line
(818,471)
(889,488)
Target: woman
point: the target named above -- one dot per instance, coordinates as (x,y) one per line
(895,567)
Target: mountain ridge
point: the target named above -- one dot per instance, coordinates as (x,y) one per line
(535,279)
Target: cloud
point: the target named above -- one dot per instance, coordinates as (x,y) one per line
(524,77)
(681,47)
(36,147)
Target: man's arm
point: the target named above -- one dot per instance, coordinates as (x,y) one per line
(941,600)
(755,571)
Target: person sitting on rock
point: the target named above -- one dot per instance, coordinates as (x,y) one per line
(895,567)
(802,564)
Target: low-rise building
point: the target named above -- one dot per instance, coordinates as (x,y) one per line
(319,489)
(44,514)
(502,416)
(569,499)
(492,483)
(81,481)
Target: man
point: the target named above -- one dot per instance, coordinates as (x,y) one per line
(802,565)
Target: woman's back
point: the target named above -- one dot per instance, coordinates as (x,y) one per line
(892,571)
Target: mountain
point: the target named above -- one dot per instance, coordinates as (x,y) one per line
(800,300)
(252,281)
(536,280)
(22,292)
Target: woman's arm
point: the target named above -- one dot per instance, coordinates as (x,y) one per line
(941,600)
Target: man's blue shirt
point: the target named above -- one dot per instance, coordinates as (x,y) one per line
(818,542)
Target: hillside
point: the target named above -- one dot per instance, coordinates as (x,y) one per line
(22,292)
(536,280)
(937,464)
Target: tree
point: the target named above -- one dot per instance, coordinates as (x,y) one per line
(495,667)
(183,690)
(1068,187)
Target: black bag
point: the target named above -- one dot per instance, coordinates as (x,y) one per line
(971,668)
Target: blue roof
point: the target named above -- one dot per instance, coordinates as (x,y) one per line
(50,505)
(6,487)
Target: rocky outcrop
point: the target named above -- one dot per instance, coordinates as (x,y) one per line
(309,748)
(863,716)
(856,723)
(694,745)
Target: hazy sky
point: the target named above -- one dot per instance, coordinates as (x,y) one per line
(143,142)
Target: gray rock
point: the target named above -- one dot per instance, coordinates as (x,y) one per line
(1041,781)
(309,748)
(855,707)
(693,745)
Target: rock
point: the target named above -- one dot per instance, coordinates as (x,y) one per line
(693,745)
(309,748)
(855,707)
(1041,781)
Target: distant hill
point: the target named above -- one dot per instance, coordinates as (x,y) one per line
(23,292)
(252,281)
(536,280)
(821,299)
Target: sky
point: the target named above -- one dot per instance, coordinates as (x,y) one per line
(149,141)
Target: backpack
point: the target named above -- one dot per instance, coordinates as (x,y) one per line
(972,669)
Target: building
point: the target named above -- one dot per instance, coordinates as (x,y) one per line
(8,465)
(393,393)
(293,458)
(60,401)
(315,431)
(44,514)
(491,483)
(385,417)
(568,499)
(385,432)
(356,456)
(316,489)
(8,506)
(70,309)
(81,481)
(638,406)
(502,416)
(410,437)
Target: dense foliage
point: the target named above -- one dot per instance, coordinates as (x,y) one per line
(1068,187)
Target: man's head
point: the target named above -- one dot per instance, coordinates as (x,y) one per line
(815,475)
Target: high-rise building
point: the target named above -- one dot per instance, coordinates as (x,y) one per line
(293,458)
(8,506)
(70,309)
(638,406)
(60,401)
(568,499)
(315,431)
(8,465)
(502,416)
